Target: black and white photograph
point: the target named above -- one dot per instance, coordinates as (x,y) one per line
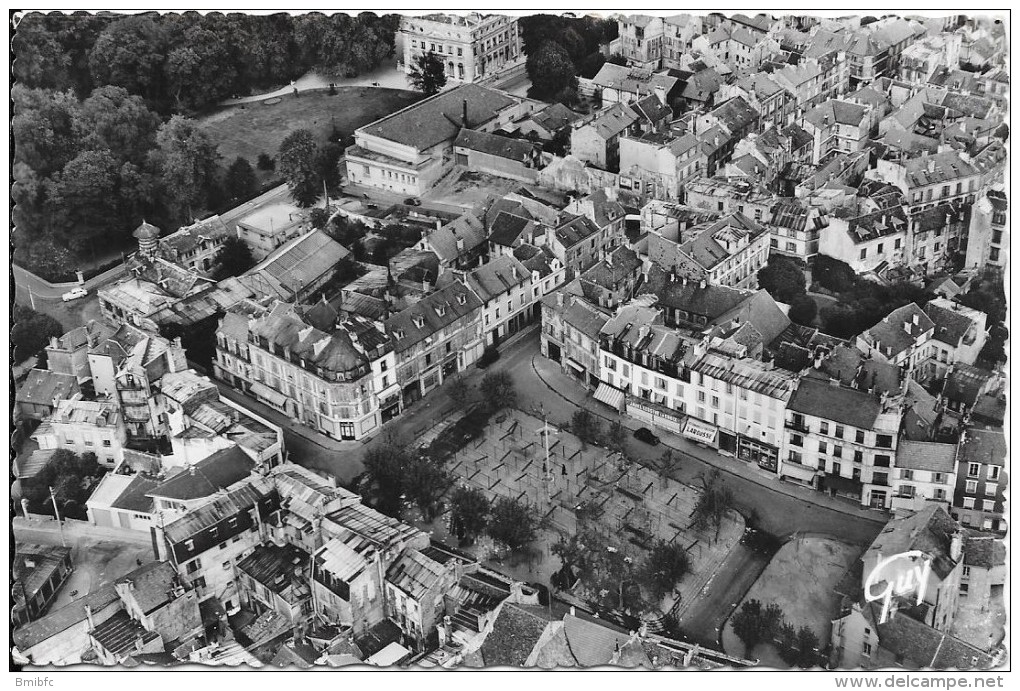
(436,340)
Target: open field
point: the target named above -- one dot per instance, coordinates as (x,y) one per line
(254,128)
(801,579)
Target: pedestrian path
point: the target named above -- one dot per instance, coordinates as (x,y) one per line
(571,392)
(384,76)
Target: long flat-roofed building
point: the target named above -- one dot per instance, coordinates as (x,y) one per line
(408,151)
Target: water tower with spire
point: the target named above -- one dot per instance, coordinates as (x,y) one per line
(148,239)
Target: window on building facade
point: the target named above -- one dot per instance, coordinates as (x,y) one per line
(973,469)
(971,487)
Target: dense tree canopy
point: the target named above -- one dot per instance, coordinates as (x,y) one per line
(297,156)
(187,159)
(31,332)
(498,390)
(428,74)
(240,181)
(512,523)
(551,71)
(469,512)
(782,278)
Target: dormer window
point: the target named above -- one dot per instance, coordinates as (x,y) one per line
(418,321)
(440,310)
(461,299)
(398,333)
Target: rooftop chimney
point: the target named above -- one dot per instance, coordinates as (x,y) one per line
(464,118)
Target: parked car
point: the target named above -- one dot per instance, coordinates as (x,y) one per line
(412,201)
(647,436)
(74,294)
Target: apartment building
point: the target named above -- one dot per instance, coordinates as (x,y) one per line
(959,335)
(640,40)
(663,164)
(472,47)
(571,328)
(509,293)
(867,242)
(838,127)
(435,338)
(988,234)
(338,383)
(841,440)
(727,252)
(981,480)
(736,404)
(796,228)
(925,472)
(929,180)
(86,427)
(903,338)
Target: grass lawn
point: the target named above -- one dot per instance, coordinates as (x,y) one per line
(800,579)
(254,128)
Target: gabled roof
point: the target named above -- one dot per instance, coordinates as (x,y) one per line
(514,635)
(818,397)
(494,145)
(711,301)
(985,446)
(446,240)
(555,117)
(899,331)
(929,530)
(735,114)
(926,455)
(918,645)
(612,121)
(43,387)
(834,112)
(984,551)
(952,322)
(295,265)
(507,228)
(575,230)
(651,109)
(433,313)
(231,503)
(152,585)
(497,277)
(62,619)
(415,574)
(440,117)
(220,470)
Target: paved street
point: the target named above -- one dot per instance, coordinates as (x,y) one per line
(98,558)
(703,622)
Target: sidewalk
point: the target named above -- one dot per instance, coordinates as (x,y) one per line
(571,392)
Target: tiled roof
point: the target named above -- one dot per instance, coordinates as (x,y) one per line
(612,121)
(926,455)
(497,277)
(435,312)
(134,496)
(152,585)
(711,301)
(840,404)
(922,646)
(929,530)
(890,336)
(507,228)
(276,567)
(951,325)
(594,644)
(222,469)
(440,117)
(555,117)
(850,366)
(942,167)
(575,230)
(985,446)
(60,620)
(735,114)
(514,634)
(445,241)
(43,387)
(835,112)
(984,551)
(651,109)
(495,145)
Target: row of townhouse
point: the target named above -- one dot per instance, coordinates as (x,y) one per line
(347,377)
(687,356)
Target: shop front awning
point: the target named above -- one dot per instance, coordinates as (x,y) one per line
(576,365)
(610,395)
(267,394)
(700,431)
(842,485)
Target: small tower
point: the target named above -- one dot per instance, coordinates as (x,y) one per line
(148,239)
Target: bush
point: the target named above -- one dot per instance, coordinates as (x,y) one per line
(782,278)
(833,274)
(498,390)
(266,162)
(803,310)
